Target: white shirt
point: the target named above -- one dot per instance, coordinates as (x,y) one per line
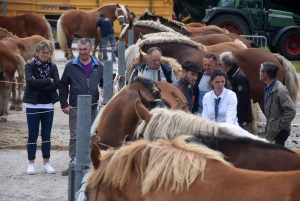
(227,106)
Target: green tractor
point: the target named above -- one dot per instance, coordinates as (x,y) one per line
(254,17)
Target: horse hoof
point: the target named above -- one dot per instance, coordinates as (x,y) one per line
(18,108)
(3,119)
(12,107)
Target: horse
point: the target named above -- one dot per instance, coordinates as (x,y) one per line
(29,42)
(176,170)
(121,106)
(9,64)
(249,61)
(85,25)
(161,123)
(133,58)
(246,153)
(27,25)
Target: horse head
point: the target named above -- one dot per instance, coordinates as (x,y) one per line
(121,13)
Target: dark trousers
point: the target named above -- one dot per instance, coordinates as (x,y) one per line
(36,116)
(282,137)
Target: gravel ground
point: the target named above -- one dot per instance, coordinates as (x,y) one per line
(16,185)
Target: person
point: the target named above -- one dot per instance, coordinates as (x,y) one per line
(190,73)
(42,81)
(105,29)
(132,17)
(153,69)
(174,16)
(201,87)
(240,86)
(278,105)
(83,74)
(220,104)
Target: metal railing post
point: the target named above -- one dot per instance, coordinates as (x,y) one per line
(130,37)
(107,81)
(121,63)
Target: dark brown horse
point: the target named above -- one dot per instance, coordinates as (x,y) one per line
(27,25)
(249,61)
(119,119)
(252,154)
(85,25)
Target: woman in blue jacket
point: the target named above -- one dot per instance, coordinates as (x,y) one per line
(42,81)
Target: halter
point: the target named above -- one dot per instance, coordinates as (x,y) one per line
(117,15)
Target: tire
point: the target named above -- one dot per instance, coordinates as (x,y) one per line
(273,49)
(289,45)
(54,35)
(233,23)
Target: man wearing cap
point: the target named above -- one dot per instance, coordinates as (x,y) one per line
(190,73)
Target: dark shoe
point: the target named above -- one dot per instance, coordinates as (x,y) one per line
(114,60)
(65,172)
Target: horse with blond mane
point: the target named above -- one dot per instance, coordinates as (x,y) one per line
(85,26)
(180,170)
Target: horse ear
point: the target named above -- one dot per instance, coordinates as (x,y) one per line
(141,36)
(176,105)
(118,6)
(183,106)
(142,111)
(153,13)
(95,155)
(141,56)
(144,101)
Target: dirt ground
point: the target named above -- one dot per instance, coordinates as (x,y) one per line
(17,185)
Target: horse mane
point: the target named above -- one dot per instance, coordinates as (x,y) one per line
(153,25)
(124,31)
(169,124)
(150,85)
(114,4)
(117,167)
(163,34)
(180,39)
(174,165)
(289,75)
(5,30)
(212,141)
(130,54)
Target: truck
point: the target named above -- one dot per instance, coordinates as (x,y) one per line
(51,10)
(255,17)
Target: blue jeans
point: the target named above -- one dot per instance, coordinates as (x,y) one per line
(33,122)
(104,42)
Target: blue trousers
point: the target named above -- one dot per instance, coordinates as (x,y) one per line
(104,42)
(33,122)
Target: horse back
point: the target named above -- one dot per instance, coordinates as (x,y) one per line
(8,62)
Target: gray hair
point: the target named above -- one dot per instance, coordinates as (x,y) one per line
(227,58)
(270,68)
(152,49)
(85,41)
(43,45)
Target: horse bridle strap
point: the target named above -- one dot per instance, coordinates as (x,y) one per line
(116,13)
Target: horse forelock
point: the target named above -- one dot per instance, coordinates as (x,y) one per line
(124,10)
(177,164)
(169,124)
(180,40)
(150,86)
(154,25)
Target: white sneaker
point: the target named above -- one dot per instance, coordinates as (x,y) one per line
(31,168)
(48,169)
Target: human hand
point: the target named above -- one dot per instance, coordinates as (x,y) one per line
(101,91)
(51,80)
(67,110)
(33,77)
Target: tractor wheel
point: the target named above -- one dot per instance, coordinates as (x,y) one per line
(289,45)
(273,49)
(233,23)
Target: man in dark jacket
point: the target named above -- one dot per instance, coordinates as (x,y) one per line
(240,86)
(83,75)
(106,31)
(190,73)
(153,69)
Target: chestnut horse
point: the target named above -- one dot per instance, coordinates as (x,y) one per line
(246,153)
(27,25)
(177,170)
(249,61)
(119,120)
(85,25)
(9,64)
(29,42)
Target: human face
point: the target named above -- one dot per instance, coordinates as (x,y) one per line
(154,60)
(190,77)
(43,55)
(84,51)
(130,16)
(208,65)
(218,83)
(262,75)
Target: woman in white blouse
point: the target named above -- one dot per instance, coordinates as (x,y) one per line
(226,110)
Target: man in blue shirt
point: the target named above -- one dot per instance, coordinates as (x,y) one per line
(106,31)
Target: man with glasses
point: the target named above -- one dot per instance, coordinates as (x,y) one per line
(278,105)
(82,76)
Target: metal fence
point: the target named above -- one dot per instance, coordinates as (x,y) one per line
(260,41)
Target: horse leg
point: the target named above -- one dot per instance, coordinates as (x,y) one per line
(14,95)
(4,91)
(100,54)
(69,50)
(19,95)
(252,126)
(95,47)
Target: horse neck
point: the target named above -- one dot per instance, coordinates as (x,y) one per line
(109,12)
(4,34)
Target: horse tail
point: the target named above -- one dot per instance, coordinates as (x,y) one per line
(21,70)
(61,35)
(49,35)
(52,57)
(290,77)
